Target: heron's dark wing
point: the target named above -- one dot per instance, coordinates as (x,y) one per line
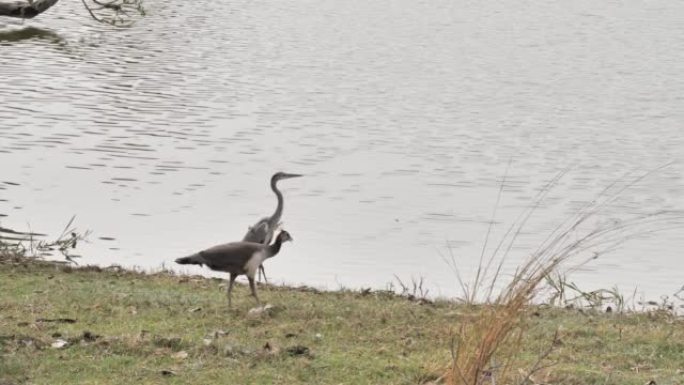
(231,257)
(261,232)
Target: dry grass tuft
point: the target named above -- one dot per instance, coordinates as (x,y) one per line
(496,328)
(23,246)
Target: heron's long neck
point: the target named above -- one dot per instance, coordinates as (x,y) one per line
(275,218)
(273,249)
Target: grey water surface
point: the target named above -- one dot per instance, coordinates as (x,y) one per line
(403,114)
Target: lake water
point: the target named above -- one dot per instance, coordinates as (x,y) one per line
(404,115)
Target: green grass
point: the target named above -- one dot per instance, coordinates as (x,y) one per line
(131,329)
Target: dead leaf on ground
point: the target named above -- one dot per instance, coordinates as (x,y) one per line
(298,350)
(57,320)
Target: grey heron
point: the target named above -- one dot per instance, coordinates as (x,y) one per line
(262,231)
(237,258)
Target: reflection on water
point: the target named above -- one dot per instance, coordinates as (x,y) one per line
(29,32)
(13,237)
(403,116)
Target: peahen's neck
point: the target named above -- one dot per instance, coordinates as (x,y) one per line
(274,248)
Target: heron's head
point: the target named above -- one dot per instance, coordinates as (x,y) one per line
(284,236)
(283,175)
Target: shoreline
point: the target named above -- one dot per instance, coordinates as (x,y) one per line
(413,291)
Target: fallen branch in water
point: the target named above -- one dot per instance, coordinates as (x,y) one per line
(25,9)
(118,13)
(115,12)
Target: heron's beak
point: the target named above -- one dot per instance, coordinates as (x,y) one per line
(288,176)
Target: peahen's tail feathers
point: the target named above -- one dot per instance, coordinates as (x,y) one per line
(194,259)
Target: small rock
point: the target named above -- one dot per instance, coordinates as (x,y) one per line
(181,355)
(28,341)
(258,311)
(219,333)
(59,344)
(228,351)
(318,336)
(209,338)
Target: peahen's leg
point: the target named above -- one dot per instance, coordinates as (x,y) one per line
(253,287)
(230,287)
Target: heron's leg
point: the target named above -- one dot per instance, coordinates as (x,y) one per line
(253,287)
(262,272)
(230,286)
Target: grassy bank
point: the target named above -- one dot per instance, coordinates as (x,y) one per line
(124,327)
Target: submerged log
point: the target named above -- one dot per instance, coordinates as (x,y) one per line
(25,9)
